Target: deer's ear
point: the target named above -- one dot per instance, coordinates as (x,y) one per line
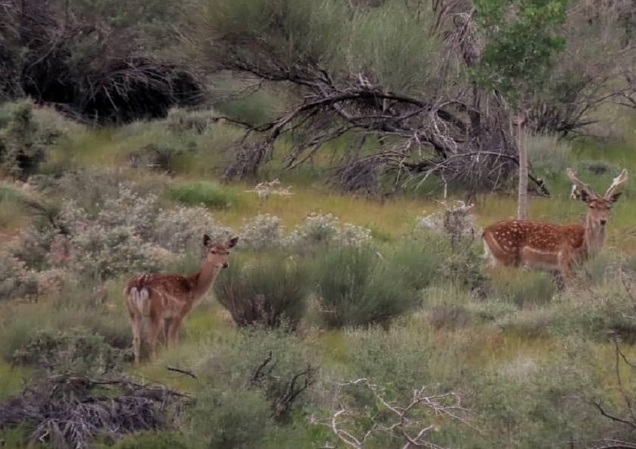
(614,197)
(581,194)
(232,242)
(206,240)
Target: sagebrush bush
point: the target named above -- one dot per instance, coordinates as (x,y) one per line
(320,231)
(262,232)
(526,402)
(74,306)
(181,120)
(227,418)
(76,350)
(16,280)
(357,288)
(269,291)
(396,360)
(203,192)
(103,253)
(180,229)
(266,360)
(416,261)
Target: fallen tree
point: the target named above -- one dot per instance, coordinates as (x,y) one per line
(70,411)
(408,103)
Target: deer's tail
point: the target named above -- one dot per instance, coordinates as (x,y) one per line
(138,296)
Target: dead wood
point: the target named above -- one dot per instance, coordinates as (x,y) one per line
(69,411)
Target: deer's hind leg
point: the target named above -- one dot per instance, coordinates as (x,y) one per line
(136,324)
(155,326)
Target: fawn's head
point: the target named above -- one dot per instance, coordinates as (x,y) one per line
(217,253)
(599,207)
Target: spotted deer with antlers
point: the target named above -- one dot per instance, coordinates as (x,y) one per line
(551,246)
(163,300)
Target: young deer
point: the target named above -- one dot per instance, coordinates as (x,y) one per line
(552,246)
(163,300)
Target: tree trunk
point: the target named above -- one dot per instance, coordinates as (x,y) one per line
(522,200)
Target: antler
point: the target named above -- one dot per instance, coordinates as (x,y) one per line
(579,188)
(616,183)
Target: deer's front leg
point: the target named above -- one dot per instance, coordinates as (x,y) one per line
(173,331)
(565,265)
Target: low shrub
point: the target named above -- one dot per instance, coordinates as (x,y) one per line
(77,350)
(102,253)
(70,308)
(203,192)
(16,280)
(274,362)
(225,418)
(171,232)
(357,288)
(269,291)
(182,120)
(321,231)
(262,232)
(22,141)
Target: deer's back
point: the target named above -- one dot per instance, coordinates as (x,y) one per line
(510,237)
(167,294)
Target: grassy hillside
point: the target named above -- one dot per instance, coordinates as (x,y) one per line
(499,359)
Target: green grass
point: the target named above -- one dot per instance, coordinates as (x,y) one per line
(206,193)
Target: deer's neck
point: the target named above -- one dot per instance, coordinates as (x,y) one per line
(203,280)
(594,237)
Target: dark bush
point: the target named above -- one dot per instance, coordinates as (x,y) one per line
(358,288)
(86,64)
(22,146)
(224,419)
(269,291)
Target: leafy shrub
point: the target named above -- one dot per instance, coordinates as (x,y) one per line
(262,232)
(72,307)
(273,361)
(455,221)
(399,360)
(527,402)
(417,261)
(22,146)
(357,288)
(325,230)
(224,418)
(466,269)
(131,209)
(182,120)
(269,291)
(77,350)
(103,253)
(180,229)
(16,280)
(203,192)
